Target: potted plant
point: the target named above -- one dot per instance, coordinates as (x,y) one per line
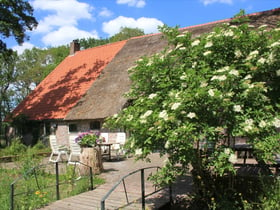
(90,153)
(89,139)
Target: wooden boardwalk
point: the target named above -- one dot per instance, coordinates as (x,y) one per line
(117,200)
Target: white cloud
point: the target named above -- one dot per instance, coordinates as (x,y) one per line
(149,25)
(21,48)
(64,35)
(133,3)
(63,13)
(105,12)
(206,2)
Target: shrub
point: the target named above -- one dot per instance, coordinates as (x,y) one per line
(193,99)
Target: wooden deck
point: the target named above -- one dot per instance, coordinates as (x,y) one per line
(113,172)
(117,200)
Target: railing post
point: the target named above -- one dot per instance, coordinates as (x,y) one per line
(170,194)
(125,191)
(57,181)
(143,188)
(12,197)
(91,178)
(102,205)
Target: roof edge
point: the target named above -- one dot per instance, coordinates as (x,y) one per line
(210,23)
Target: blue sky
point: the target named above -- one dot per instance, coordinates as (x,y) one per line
(61,21)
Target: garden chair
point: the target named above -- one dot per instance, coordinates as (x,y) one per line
(104,136)
(74,156)
(75,150)
(57,150)
(118,146)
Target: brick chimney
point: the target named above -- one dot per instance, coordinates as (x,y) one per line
(74,47)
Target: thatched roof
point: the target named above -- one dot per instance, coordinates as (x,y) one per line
(105,97)
(91,83)
(67,83)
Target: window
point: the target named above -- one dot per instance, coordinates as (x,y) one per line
(73,128)
(95,125)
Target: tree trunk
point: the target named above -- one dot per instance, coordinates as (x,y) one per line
(91,156)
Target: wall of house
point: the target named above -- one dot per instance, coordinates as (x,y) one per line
(62,133)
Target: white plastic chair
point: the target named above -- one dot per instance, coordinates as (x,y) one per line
(74,157)
(118,146)
(75,150)
(106,137)
(117,149)
(57,150)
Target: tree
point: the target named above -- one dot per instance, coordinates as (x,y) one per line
(33,66)
(194,99)
(126,33)
(16,18)
(7,78)
(92,42)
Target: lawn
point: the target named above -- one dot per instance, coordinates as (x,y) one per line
(35,184)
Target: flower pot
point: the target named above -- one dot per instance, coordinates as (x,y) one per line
(91,156)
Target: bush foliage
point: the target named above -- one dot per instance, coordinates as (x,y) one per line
(193,100)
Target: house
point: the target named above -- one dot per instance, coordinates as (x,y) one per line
(88,86)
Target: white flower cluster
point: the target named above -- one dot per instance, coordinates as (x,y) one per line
(163,114)
(252,55)
(138,152)
(147,113)
(274,44)
(262,124)
(262,61)
(183,77)
(237,108)
(248,125)
(276,122)
(181,35)
(191,115)
(129,118)
(208,44)
(167,144)
(195,43)
(194,64)
(228,33)
(238,53)
(175,106)
(207,53)
(225,68)
(227,151)
(150,63)
(263,26)
(203,84)
(179,46)
(153,95)
(211,92)
(232,158)
(248,77)
(220,78)
(234,72)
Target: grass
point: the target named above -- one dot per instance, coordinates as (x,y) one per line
(36,188)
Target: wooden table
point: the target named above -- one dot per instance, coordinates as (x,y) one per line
(106,145)
(246,148)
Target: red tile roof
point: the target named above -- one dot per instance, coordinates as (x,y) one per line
(67,83)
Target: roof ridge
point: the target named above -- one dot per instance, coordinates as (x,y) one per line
(209,23)
(99,46)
